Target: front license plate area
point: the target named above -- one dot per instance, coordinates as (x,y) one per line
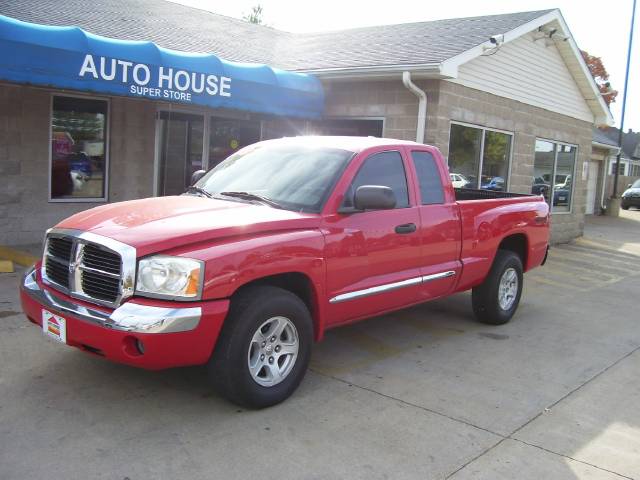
(54,326)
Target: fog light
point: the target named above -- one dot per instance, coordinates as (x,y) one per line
(133,346)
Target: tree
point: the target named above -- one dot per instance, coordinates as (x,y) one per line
(255,16)
(601,76)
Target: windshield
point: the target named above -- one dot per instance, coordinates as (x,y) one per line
(294,177)
(636,184)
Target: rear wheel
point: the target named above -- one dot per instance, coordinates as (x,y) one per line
(263,351)
(496,300)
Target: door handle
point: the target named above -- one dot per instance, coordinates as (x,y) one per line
(406,228)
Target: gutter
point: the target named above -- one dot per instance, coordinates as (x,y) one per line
(605,146)
(422,104)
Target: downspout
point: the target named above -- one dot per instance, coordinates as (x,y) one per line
(422,104)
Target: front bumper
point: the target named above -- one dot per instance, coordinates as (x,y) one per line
(171,334)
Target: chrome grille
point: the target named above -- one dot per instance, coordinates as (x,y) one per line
(100,286)
(100,259)
(60,247)
(58,271)
(82,265)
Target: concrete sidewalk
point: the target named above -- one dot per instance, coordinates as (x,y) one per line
(425,393)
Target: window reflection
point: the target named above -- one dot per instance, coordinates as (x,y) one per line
(551,157)
(495,161)
(464,153)
(78,148)
(229,135)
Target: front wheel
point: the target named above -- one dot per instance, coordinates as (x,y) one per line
(264,349)
(496,300)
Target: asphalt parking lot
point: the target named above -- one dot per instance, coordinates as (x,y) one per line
(423,393)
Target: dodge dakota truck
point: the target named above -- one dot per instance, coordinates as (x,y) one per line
(278,243)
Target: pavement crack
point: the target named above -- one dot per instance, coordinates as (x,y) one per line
(404,402)
(570,458)
(567,395)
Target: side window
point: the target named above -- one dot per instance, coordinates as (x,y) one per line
(384,169)
(431,191)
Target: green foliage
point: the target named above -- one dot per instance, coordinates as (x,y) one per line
(255,15)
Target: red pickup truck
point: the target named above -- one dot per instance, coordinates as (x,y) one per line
(280,242)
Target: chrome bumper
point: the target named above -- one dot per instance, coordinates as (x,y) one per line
(129,317)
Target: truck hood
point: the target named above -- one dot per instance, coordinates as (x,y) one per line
(157,224)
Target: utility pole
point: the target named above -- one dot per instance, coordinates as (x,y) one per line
(624,104)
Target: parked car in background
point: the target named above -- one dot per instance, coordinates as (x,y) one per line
(496,184)
(458,180)
(631,196)
(562,191)
(278,243)
(540,186)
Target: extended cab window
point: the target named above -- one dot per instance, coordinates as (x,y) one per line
(431,191)
(384,169)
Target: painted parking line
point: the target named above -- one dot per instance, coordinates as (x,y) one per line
(583,268)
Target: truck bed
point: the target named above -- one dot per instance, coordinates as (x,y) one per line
(463,194)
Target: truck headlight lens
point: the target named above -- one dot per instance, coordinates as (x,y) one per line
(163,276)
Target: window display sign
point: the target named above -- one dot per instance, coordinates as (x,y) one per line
(68,57)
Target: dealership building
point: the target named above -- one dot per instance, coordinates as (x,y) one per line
(114,100)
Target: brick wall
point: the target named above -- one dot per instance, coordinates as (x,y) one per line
(25,212)
(448,101)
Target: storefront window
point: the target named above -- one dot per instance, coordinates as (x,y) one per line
(495,161)
(227,135)
(354,127)
(279,128)
(554,161)
(563,187)
(78,149)
(464,153)
(475,150)
(545,153)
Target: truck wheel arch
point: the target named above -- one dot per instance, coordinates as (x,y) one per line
(298,283)
(517,243)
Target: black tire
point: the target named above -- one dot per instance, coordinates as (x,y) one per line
(228,367)
(624,207)
(485,297)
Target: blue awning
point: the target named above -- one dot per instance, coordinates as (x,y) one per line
(70,58)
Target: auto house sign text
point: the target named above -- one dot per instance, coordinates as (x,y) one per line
(155,82)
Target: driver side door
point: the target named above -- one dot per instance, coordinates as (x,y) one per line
(373,256)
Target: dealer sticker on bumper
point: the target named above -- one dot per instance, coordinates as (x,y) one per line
(54,326)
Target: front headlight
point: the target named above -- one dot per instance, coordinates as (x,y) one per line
(163,276)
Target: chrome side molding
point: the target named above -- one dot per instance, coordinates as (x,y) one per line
(390,286)
(129,317)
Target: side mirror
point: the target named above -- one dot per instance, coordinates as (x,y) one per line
(374,197)
(629,186)
(197,175)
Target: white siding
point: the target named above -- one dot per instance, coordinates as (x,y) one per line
(528,72)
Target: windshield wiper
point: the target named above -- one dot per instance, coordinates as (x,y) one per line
(193,188)
(252,196)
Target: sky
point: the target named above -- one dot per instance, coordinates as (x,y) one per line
(601,28)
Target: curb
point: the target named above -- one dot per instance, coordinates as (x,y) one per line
(16,256)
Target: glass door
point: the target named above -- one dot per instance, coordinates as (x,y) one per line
(181,147)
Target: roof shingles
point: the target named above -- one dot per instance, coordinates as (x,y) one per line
(179,27)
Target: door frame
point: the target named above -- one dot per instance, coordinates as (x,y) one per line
(159,134)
